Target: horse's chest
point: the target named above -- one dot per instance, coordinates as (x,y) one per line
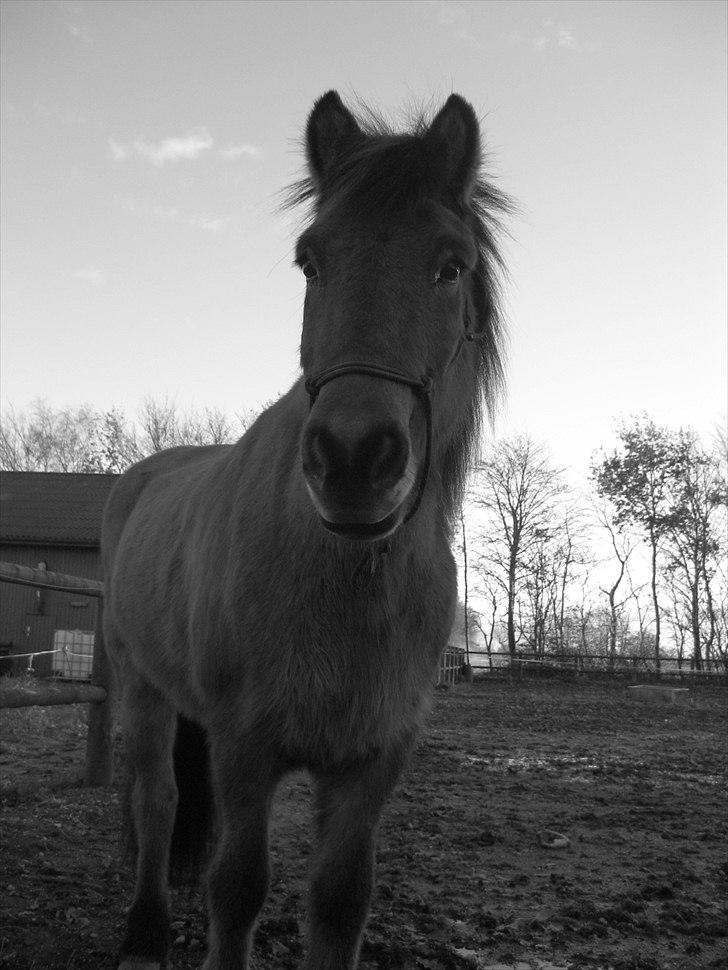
(354,689)
(332,673)
(338,720)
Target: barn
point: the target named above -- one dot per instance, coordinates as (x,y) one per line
(52,521)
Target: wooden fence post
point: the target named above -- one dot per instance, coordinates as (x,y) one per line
(99,749)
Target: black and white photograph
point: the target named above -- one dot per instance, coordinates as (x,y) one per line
(363,484)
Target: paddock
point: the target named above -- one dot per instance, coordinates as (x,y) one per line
(469,877)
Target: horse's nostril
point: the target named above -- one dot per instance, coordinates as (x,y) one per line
(374,460)
(386,458)
(322,453)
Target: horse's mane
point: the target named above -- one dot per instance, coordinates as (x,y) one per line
(387,171)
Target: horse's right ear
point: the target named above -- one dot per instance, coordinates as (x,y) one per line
(455,136)
(330,133)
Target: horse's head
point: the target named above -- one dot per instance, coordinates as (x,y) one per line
(400,327)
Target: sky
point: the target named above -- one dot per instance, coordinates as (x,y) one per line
(145,146)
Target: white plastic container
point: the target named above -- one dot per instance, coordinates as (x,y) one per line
(74,654)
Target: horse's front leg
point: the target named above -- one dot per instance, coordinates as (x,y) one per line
(348,806)
(245,778)
(149,730)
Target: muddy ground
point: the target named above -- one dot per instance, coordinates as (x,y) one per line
(540,825)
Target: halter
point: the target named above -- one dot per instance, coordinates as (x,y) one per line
(421,386)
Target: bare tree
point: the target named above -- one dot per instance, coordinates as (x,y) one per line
(695,533)
(636,479)
(164,426)
(17,445)
(622,548)
(642,611)
(116,446)
(720,644)
(583,616)
(44,439)
(466,625)
(561,554)
(678,620)
(487,626)
(517,489)
(160,425)
(570,554)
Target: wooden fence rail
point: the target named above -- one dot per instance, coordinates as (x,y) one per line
(46,693)
(501,660)
(99,751)
(11,572)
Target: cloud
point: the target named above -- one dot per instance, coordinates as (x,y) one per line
(173,149)
(457,19)
(566,37)
(88,274)
(554,34)
(119,151)
(172,214)
(189,147)
(80,33)
(209,225)
(238,151)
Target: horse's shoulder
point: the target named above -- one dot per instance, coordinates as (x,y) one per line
(170,468)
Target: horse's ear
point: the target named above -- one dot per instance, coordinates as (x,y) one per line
(455,133)
(330,133)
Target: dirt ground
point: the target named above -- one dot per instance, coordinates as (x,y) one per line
(540,825)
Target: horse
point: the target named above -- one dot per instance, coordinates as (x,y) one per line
(285,599)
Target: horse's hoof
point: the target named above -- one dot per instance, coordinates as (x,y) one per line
(139,963)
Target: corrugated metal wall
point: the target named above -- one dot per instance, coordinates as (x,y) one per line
(29,617)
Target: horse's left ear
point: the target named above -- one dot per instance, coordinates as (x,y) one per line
(331,132)
(456,134)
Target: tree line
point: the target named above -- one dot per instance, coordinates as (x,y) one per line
(637,565)
(84,439)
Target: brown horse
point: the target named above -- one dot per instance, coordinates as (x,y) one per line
(291,593)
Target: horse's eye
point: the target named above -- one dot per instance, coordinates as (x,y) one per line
(449,273)
(308,269)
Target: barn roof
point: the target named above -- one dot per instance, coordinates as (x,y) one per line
(52,508)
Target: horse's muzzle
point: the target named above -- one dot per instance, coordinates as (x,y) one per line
(358,473)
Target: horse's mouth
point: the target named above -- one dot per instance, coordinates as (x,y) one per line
(364,531)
